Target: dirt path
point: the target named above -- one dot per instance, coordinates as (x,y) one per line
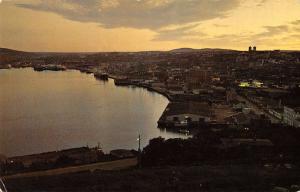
(111,165)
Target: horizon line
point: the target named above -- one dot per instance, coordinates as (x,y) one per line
(195,49)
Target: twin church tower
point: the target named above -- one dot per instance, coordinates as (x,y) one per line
(252,49)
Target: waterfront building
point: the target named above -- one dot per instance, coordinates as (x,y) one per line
(181,113)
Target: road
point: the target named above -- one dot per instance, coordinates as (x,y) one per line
(111,165)
(257,110)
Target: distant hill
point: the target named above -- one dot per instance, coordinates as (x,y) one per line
(9,55)
(5,51)
(13,54)
(186,50)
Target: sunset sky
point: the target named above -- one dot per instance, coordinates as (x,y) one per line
(137,25)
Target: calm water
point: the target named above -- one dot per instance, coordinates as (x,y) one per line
(44,111)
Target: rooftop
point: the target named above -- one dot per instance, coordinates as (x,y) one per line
(175,108)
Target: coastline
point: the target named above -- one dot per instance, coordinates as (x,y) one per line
(149,88)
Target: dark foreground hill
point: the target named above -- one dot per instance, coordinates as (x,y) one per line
(192,178)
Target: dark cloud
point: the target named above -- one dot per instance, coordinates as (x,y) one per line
(150,14)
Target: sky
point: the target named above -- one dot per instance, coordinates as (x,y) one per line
(140,25)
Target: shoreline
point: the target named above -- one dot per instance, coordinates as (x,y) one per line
(138,85)
(149,88)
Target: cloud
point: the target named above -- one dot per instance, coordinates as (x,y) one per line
(179,33)
(295,26)
(190,33)
(297,22)
(244,39)
(296,29)
(221,25)
(261,3)
(149,14)
(272,31)
(228,39)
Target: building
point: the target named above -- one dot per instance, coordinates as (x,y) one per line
(252,49)
(276,112)
(180,114)
(231,95)
(291,116)
(195,78)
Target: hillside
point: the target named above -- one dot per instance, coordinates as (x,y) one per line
(5,51)
(191,178)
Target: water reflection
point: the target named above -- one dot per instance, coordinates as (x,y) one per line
(44,111)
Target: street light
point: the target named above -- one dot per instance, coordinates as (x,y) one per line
(139,140)
(139,151)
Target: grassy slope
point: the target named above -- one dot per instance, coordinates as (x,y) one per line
(197,178)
